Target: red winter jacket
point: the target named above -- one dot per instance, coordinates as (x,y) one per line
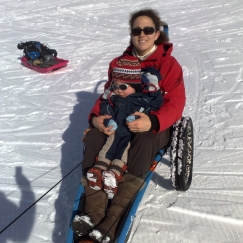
(171,85)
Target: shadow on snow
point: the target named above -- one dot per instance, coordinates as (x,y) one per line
(72,154)
(21,229)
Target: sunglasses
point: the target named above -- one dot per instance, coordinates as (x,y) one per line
(121,86)
(146,31)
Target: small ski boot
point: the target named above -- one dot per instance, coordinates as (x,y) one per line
(94,176)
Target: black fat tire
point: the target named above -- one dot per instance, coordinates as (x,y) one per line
(181,154)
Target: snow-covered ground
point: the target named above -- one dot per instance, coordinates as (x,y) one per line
(42,117)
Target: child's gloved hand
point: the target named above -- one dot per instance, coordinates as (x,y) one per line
(110,122)
(151,77)
(131,118)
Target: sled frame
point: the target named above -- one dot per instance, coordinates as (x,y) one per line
(180,149)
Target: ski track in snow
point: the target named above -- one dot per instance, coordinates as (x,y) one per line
(42,117)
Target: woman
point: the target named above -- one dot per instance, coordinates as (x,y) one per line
(150,46)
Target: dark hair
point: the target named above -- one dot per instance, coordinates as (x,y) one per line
(154,15)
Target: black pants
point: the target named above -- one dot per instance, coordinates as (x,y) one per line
(144,147)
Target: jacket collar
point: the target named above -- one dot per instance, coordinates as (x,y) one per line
(162,49)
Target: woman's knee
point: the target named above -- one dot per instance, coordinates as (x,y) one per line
(143,135)
(95,136)
(93,143)
(149,137)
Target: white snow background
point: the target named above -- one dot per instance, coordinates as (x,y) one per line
(43,116)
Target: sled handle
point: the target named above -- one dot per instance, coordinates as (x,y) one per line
(166,29)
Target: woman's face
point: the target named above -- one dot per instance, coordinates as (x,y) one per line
(144,43)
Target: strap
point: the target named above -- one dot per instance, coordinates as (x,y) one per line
(118,168)
(102,163)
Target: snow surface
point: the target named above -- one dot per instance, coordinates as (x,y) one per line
(43,116)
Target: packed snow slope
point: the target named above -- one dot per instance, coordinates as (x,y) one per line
(43,116)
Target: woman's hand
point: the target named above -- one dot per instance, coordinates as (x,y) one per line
(98,122)
(141,124)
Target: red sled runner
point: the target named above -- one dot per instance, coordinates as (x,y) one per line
(40,57)
(60,63)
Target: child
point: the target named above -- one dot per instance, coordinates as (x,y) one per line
(132,89)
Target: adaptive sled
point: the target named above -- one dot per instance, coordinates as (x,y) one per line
(60,63)
(180,150)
